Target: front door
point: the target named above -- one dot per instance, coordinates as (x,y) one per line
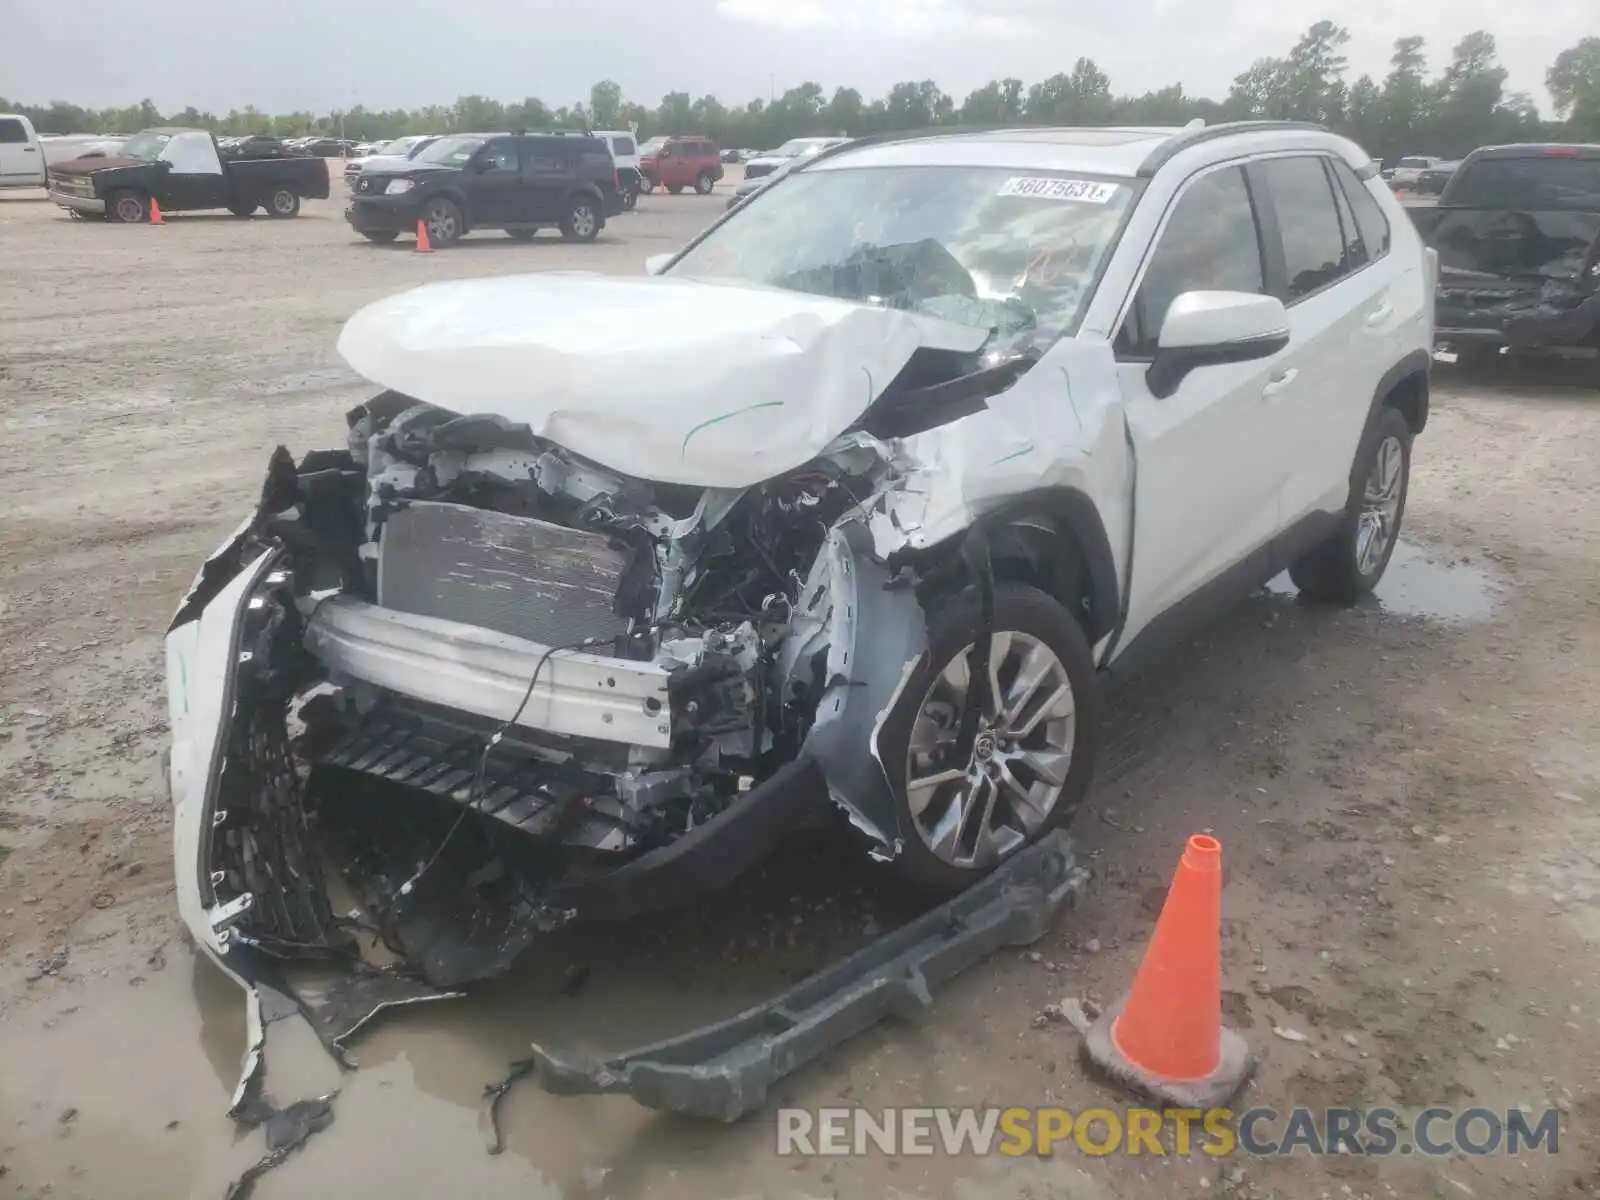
(494,179)
(1208,467)
(21,160)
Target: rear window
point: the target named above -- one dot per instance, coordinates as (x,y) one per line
(1548,182)
(622,146)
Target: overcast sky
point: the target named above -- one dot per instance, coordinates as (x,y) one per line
(326,54)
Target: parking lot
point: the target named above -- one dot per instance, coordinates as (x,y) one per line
(1408,794)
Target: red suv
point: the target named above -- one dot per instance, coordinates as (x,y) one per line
(679,162)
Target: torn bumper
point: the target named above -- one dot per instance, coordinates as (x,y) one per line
(725,1070)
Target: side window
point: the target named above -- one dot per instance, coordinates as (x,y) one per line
(541,154)
(1210,243)
(622,146)
(501,152)
(11,131)
(1370,221)
(1355,249)
(1313,249)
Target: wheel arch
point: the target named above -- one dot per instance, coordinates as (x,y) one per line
(1406,388)
(457,197)
(1051,538)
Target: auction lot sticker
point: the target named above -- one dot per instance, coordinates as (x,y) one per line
(1084,191)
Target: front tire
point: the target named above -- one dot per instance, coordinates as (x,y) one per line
(445,223)
(1349,564)
(283,204)
(581,222)
(1032,755)
(704,182)
(128,207)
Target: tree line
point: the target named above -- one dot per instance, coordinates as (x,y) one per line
(1465,104)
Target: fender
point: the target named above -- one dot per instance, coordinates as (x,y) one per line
(1069,513)
(1417,365)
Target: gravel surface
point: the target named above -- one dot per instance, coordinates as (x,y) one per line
(1408,794)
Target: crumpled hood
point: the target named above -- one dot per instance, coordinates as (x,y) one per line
(668,380)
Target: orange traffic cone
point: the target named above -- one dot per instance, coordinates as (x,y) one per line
(1165,1038)
(423,245)
(155,212)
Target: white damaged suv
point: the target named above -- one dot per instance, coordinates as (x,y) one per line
(938,430)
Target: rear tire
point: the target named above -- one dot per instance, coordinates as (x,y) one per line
(581,222)
(704,182)
(283,204)
(630,199)
(381,236)
(648,185)
(128,207)
(1350,562)
(1033,637)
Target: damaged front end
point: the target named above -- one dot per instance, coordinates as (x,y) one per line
(452,686)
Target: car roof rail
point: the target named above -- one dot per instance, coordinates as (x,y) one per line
(1193,135)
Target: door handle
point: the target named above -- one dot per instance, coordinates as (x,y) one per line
(1380,314)
(1280,382)
(30,149)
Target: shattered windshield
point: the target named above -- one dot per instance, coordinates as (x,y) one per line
(990,247)
(146,146)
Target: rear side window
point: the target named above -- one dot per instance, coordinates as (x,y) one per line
(11,131)
(1313,246)
(622,146)
(1552,181)
(1355,249)
(1371,224)
(544,154)
(1210,243)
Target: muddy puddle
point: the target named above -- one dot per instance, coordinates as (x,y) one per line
(1426,583)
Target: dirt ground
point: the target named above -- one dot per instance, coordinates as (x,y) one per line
(1408,794)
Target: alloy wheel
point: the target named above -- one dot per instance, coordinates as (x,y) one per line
(971,809)
(1380,505)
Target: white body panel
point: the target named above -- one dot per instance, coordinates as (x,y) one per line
(21,156)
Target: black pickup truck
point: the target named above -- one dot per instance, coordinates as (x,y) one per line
(1517,230)
(518,182)
(183,171)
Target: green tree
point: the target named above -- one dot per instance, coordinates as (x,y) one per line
(1311,79)
(1574,83)
(605,104)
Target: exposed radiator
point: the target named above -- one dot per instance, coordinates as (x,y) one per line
(514,575)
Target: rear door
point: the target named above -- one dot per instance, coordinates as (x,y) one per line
(546,175)
(1209,469)
(21,160)
(1343,327)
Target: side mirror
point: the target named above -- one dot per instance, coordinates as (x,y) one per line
(656,263)
(1209,329)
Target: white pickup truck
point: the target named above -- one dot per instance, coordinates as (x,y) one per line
(21,157)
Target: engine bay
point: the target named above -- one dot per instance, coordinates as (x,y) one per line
(484,673)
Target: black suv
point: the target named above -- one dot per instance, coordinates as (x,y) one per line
(512,181)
